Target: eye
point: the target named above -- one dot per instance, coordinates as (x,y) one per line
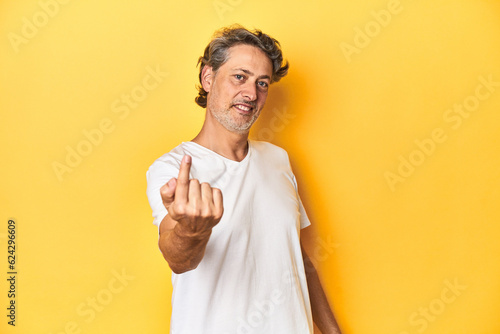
(263,84)
(238,77)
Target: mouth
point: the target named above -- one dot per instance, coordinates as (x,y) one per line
(243,108)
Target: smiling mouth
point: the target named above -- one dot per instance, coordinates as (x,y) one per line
(243,108)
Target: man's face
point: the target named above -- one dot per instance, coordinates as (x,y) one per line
(238,90)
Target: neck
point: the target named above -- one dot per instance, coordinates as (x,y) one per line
(217,138)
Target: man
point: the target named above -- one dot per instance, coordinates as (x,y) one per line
(228,210)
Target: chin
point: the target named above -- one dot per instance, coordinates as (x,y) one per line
(239,130)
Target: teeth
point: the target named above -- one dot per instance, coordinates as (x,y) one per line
(244,108)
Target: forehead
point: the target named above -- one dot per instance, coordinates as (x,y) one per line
(249,57)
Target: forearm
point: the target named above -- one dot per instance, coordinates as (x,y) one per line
(321,311)
(182,251)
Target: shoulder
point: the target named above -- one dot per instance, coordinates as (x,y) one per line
(270,155)
(264,147)
(168,161)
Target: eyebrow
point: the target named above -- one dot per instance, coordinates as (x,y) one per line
(250,73)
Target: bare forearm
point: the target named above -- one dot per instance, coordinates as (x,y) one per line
(321,311)
(183,252)
(322,314)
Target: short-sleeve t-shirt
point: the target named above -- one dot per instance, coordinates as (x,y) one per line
(251,278)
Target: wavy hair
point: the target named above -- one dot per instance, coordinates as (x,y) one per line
(217,53)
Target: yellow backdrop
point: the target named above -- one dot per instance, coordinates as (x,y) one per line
(389,113)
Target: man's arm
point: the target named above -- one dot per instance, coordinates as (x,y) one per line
(193,210)
(322,314)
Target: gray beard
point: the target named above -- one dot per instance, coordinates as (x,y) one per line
(225,119)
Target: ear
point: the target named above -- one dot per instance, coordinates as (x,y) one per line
(207,78)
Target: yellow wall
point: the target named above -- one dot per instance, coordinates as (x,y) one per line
(387,114)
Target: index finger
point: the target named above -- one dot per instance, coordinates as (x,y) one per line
(182,189)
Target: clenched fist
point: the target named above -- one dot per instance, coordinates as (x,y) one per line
(196,207)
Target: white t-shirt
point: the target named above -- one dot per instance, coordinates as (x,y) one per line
(251,278)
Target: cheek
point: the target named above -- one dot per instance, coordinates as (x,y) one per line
(262,97)
(219,94)
(228,91)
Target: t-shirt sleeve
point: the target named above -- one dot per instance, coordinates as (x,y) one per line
(304,220)
(158,174)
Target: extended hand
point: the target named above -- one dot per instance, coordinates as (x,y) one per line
(196,207)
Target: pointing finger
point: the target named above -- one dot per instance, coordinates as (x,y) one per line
(182,189)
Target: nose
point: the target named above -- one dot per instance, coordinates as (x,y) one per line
(249,91)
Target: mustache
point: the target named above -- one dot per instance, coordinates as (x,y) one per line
(249,103)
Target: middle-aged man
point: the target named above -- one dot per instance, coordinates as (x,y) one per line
(228,211)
